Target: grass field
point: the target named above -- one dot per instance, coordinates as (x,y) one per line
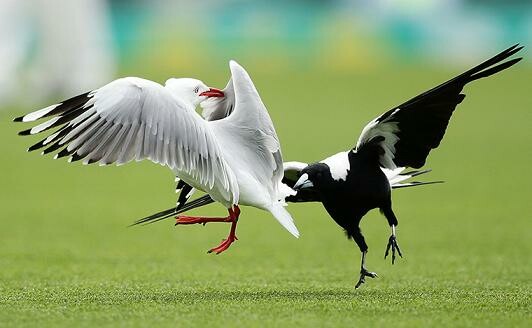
(67,258)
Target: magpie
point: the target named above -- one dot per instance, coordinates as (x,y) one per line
(351,183)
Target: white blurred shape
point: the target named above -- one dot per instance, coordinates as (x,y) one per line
(13,45)
(62,47)
(74,51)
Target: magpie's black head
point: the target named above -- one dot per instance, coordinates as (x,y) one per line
(317,175)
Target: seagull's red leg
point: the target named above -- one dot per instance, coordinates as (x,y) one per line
(185,219)
(233,214)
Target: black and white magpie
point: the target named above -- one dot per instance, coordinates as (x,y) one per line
(351,183)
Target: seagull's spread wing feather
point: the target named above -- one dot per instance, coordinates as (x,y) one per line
(406,134)
(249,126)
(258,150)
(133,118)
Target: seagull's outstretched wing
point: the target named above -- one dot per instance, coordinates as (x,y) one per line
(133,118)
(257,149)
(404,135)
(250,126)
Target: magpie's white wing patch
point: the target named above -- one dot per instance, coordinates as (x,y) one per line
(387,130)
(133,118)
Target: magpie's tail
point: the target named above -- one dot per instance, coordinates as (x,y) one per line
(199,202)
(396,179)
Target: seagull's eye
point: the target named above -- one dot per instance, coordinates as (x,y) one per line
(196,89)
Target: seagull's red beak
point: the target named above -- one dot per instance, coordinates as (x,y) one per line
(213,92)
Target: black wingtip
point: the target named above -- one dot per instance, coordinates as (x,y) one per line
(25,132)
(63,153)
(76,157)
(18,119)
(416,173)
(36,146)
(512,50)
(518,48)
(50,149)
(495,69)
(155,217)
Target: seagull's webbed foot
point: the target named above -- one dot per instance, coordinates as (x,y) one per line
(233,216)
(224,245)
(392,243)
(363,274)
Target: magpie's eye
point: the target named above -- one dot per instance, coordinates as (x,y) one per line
(196,89)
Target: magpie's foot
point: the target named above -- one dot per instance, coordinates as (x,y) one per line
(392,243)
(363,274)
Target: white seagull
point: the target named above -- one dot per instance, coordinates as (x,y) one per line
(236,160)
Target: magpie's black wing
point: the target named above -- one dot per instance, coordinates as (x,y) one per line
(292,172)
(198,202)
(408,132)
(185,192)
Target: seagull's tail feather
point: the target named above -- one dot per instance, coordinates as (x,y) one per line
(284,218)
(199,202)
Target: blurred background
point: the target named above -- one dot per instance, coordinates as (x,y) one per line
(59,47)
(324,69)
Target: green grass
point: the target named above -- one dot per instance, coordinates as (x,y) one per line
(67,258)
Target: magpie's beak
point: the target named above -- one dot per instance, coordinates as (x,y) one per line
(303,183)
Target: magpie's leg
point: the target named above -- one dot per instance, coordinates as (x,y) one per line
(359,239)
(392,241)
(364,272)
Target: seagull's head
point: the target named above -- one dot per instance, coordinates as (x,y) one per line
(317,175)
(192,91)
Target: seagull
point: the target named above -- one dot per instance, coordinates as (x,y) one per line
(235,160)
(351,183)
